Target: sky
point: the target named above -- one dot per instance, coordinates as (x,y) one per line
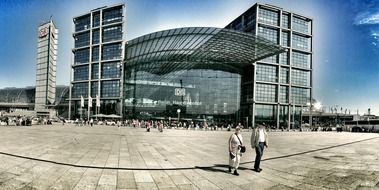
(346,38)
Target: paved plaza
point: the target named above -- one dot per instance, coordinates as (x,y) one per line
(108,157)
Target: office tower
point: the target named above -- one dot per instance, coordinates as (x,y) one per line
(97,67)
(46,68)
(275,90)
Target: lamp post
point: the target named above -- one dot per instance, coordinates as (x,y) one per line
(310,113)
(178,110)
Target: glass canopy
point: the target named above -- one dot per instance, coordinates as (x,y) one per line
(197,48)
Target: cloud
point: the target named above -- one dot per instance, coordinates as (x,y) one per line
(367,18)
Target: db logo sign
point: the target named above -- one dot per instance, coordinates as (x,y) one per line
(180,91)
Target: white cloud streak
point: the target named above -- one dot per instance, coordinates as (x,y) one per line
(367,18)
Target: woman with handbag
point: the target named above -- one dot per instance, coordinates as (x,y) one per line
(235,150)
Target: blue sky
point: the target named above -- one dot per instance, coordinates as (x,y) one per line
(346,38)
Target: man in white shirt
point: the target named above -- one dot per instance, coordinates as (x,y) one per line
(258,141)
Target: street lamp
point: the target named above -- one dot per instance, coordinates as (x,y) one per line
(310,105)
(178,110)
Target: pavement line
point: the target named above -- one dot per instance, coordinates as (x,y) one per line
(311,151)
(182,168)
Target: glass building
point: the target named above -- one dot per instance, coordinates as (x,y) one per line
(97,66)
(277,88)
(191,74)
(47,51)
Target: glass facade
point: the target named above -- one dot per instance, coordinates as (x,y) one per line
(80,89)
(95,71)
(285,39)
(111,51)
(98,61)
(268,17)
(284,58)
(301,25)
(110,88)
(283,94)
(112,15)
(286,21)
(82,23)
(300,77)
(284,75)
(266,73)
(282,83)
(81,56)
(81,73)
(82,39)
(197,92)
(112,33)
(268,33)
(110,70)
(266,92)
(266,114)
(300,95)
(301,59)
(96,36)
(301,42)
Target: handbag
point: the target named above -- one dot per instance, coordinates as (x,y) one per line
(231,156)
(243,148)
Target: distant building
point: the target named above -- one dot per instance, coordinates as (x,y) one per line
(275,89)
(97,69)
(20,100)
(46,68)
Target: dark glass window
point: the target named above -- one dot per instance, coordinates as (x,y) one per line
(82,39)
(300,77)
(80,89)
(110,70)
(94,89)
(285,21)
(284,75)
(269,34)
(301,25)
(112,33)
(95,54)
(301,42)
(205,92)
(283,94)
(81,56)
(285,39)
(266,92)
(110,88)
(284,58)
(266,113)
(82,23)
(95,71)
(268,17)
(96,19)
(300,95)
(111,51)
(247,93)
(81,73)
(96,36)
(267,73)
(112,15)
(300,59)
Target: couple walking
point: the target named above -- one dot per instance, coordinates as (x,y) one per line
(258,141)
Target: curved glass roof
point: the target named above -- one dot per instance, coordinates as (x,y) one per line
(197,48)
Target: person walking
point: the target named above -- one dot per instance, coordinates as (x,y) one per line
(235,143)
(259,140)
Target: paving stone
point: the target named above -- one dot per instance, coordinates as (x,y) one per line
(125,180)
(194,159)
